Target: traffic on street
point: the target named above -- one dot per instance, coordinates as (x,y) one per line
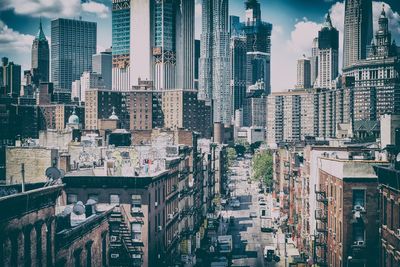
(247,229)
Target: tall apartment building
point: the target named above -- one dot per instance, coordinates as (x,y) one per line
(290,116)
(89,80)
(376,77)
(10,78)
(183,110)
(303,74)
(73,43)
(357,30)
(145,107)
(214,60)
(99,105)
(40,57)
(238,50)
(102,64)
(165,51)
(121,21)
(328,54)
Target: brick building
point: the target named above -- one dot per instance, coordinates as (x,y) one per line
(389,203)
(346,213)
(36,233)
(183,110)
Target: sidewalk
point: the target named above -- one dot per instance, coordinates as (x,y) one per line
(291,250)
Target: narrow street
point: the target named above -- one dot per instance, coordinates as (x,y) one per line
(248,240)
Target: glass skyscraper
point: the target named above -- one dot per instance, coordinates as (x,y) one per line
(73,42)
(164,51)
(214,82)
(121,14)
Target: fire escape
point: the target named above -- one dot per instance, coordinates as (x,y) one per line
(321,235)
(123,241)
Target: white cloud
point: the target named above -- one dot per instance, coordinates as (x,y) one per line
(301,37)
(55,8)
(13,40)
(93,7)
(286,52)
(394,18)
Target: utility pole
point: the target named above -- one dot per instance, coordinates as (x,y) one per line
(23,177)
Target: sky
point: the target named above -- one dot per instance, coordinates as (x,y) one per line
(295,24)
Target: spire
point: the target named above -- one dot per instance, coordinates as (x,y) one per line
(40,35)
(383,13)
(328,21)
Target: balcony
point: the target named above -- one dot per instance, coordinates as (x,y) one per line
(137,212)
(321,215)
(359,249)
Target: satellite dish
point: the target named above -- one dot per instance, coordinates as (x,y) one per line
(66,211)
(91,202)
(398,157)
(78,208)
(53,173)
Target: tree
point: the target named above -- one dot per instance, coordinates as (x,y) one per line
(240,149)
(255,146)
(231,155)
(262,167)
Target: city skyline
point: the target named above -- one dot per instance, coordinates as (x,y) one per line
(291,37)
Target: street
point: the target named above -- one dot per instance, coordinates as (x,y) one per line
(248,240)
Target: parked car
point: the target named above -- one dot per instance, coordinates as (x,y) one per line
(253,214)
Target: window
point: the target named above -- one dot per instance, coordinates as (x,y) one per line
(359,197)
(136,231)
(391,214)
(384,211)
(72,198)
(358,232)
(136,203)
(114,199)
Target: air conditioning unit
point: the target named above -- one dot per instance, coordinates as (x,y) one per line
(357,214)
(159,228)
(359,208)
(176,209)
(359,243)
(170,216)
(136,210)
(113,238)
(155,204)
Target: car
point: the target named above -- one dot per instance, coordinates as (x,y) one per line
(253,214)
(235,203)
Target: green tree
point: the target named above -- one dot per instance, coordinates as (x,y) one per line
(240,149)
(262,167)
(231,155)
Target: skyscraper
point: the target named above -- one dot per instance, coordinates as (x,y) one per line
(10,78)
(238,71)
(303,74)
(164,52)
(314,61)
(73,42)
(121,23)
(328,54)
(102,64)
(214,61)
(258,35)
(357,30)
(40,57)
